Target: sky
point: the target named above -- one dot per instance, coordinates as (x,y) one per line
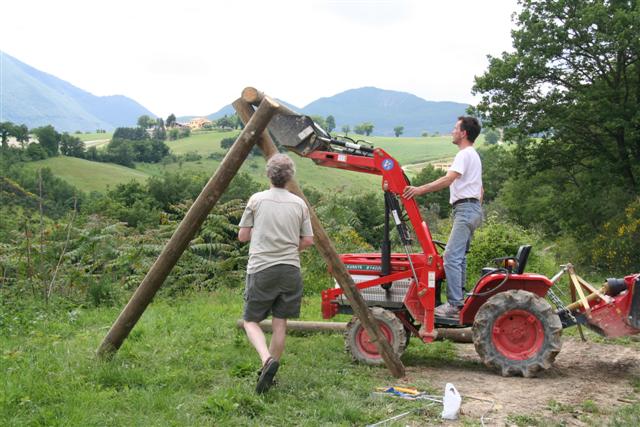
(193,57)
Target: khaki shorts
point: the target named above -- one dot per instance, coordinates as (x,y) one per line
(276,290)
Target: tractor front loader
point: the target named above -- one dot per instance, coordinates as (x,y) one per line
(516,330)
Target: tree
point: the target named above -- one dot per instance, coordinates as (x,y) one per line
(330,121)
(146,122)
(71,146)
(398,130)
(225,122)
(568,97)
(48,139)
(171,120)
(6,130)
(319,121)
(346,129)
(491,136)
(364,129)
(131,134)
(437,201)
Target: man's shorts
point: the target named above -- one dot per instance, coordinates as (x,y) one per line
(276,289)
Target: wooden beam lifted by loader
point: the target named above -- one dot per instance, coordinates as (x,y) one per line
(256,122)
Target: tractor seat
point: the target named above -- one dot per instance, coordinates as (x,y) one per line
(514,265)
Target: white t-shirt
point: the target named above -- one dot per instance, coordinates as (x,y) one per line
(469,185)
(279,218)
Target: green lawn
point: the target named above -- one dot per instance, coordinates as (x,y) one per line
(185,363)
(87,175)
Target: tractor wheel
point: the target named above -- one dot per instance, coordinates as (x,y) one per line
(359,345)
(517,333)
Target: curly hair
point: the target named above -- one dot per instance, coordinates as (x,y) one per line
(280,170)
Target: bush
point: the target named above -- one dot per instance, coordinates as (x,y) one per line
(495,239)
(192,156)
(616,248)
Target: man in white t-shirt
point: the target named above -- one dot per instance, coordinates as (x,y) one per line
(277,224)
(464,179)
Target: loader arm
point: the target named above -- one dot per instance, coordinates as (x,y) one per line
(304,137)
(393,180)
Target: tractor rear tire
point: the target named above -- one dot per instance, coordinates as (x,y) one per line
(357,341)
(517,333)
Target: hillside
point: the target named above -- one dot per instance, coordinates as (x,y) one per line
(35,98)
(87,175)
(94,176)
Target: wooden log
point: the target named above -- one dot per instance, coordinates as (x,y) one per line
(459,335)
(325,246)
(298,325)
(187,229)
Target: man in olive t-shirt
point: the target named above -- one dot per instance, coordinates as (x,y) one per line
(277,224)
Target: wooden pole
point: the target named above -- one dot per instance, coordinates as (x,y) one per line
(459,335)
(187,229)
(323,243)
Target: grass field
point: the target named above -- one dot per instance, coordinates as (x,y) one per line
(89,176)
(93,136)
(186,363)
(94,176)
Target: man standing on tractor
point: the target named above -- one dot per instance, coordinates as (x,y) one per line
(277,224)
(464,179)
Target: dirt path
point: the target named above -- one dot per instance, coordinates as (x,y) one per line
(583,371)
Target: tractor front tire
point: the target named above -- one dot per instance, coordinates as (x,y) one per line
(517,333)
(358,343)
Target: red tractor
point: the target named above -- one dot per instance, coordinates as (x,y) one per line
(515,329)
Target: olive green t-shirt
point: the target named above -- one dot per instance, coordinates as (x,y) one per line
(278,218)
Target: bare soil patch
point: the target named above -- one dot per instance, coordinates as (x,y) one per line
(591,372)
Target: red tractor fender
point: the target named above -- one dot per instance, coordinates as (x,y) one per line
(491,285)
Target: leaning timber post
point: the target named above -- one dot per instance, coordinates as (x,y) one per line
(187,229)
(243,107)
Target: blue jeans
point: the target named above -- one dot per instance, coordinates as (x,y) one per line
(466,218)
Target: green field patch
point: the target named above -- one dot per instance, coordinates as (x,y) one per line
(87,175)
(93,136)
(204,143)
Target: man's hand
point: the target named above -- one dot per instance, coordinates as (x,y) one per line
(305,242)
(410,192)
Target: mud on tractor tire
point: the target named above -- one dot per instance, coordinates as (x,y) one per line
(517,333)
(357,341)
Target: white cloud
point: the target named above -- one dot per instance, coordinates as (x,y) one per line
(194,57)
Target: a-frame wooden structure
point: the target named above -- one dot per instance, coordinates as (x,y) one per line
(254,132)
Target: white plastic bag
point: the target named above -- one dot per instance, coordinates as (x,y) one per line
(451,402)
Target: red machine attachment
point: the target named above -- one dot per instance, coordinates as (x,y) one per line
(611,311)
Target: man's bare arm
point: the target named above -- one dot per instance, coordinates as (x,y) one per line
(438,184)
(244,235)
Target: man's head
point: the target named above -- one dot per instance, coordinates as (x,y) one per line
(466,128)
(280,169)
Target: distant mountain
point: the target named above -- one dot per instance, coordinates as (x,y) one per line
(386,109)
(35,98)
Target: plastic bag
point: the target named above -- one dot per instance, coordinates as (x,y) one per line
(451,402)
